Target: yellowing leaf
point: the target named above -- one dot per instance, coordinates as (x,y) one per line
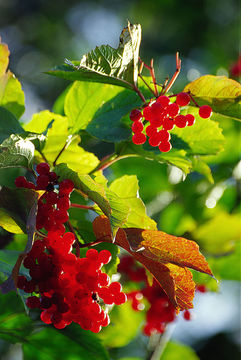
(167,266)
(222,93)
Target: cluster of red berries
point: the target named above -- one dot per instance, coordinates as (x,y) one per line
(67,288)
(162,115)
(161,311)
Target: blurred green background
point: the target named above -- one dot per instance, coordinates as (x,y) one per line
(41,34)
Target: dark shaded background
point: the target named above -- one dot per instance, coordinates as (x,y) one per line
(40,34)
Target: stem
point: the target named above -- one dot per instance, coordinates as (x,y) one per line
(86,207)
(90,244)
(146,84)
(43,156)
(77,245)
(164,338)
(139,93)
(67,143)
(192,98)
(154,78)
(178,69)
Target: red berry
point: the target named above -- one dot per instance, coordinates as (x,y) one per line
(201,288)
(156,121)
(120,298)
(163,100)
(151,130)
(147,113)
(183,99)
(180,121)
(104,256)
(139,138)
(205,111)
(42,182)
(165,146)
(164,135)
(137,127)
(187,315)
(155,140)
(43,169)
(168,124)
(135,115)
(190,119)
(173,109)
(115,287)
(66,186)
(33,302)
(21,181)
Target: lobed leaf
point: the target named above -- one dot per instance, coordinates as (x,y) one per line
(8,124)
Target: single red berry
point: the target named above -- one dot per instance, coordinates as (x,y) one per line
(43,169)
(205,111)
(147,113)
(180,121)
(53,177)
(163,100)
(156,109)
(115,287)
(173,109)
(201,288)
(156,121)
(151,130)
(190,119)
(33,302)
(137,127)
(120,298)
(154,140)
(66,186)
(165,146)
(135,115)
(92,254)
(187,315)
(21,282)
(42,182)
(139,138)
(21,181)
(183,99)
(168,124)
(105,256)
(164,135)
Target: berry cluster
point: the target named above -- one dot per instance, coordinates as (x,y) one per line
(160,311)
(67,288)
(160,116)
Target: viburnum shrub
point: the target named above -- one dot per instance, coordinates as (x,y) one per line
(68,221)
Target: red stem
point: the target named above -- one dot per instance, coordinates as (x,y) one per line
(178,69)
(86,207)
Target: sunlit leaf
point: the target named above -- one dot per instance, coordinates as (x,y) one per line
(176,351)
(107,65)
(221,93)
(11,93)
(162,259)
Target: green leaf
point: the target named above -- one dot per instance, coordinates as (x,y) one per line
(227,267)
(72,343)
(173,157)
(203,138)
(8,124)
(218,235)
(57,139)
(16,204)
(98,108)
(8,259)
(202,168)
(16,152)
(176,351)
(221,93)
(109,203)
(121,330)
(11,93)
(107,65)
(127,188)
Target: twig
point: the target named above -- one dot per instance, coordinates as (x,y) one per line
(86,207)
(164,338)
(146,84)
(67,143)
(178,69)
(154,78)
